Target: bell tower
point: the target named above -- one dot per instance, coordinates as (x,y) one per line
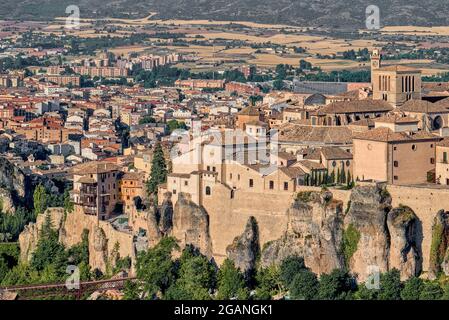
(375,60)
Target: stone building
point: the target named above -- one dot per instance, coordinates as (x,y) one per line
(395,157)
(95,188)
(394,84)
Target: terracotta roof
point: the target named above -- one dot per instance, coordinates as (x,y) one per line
(356,106)
(132,176)
(291,132)
(249,111)
(443,143)
(309,164)
(367,122)
(335,153)
(292,172)
(388,135)
(95,167)
(87,179)
(396,118)
(422,106)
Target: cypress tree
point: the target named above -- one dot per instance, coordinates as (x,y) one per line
(338,175)
(158,170)
(343,176)
(333,176)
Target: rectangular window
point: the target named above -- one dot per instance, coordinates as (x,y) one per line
(230,176)
(285,185)
(395,178)
(445,157)
(271,184)
(186,183)
(432,161)
(208,168)
(174,191)
(396,164)
(251,183)
(213,169)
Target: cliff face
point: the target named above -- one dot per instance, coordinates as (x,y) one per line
(30,235)
(439,250)
(314,231)
(245,249)
(405,252)
(191,224)
(371,235)
(367,215)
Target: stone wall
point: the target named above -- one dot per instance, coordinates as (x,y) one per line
(425,202)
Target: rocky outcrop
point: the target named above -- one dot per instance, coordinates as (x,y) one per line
(245,248)
(14,180)
(314,231)
(191,224)
(439,251)
(367,215)
(29,237)
(404,253)
(7,204)
(154,233)
(99,256)
(166,214)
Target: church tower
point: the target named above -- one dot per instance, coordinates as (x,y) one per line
(375,60)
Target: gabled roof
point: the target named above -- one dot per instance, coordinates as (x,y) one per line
(387,135)
(356,106)
(422,106)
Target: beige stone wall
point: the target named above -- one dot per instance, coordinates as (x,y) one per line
(442,165)
(74,225)
(370,160)
(228,217)
(425,202)
(414,161)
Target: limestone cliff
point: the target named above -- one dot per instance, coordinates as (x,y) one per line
(405,253)
(367,215)
(191,224)
(314,231)
(245,249)
(166,214)
(439,250)
(30,235)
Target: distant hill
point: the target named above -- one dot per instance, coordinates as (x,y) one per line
(330,13)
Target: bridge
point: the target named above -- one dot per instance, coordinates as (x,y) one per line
(61,291)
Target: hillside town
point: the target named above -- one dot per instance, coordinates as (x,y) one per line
(103,151)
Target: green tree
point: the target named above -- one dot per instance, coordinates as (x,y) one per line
(268,282)
(49,251)
(289,267)
(174,125)
(338,285)
(155,268)
(196,275)
(41,199)
(147,119)
(131,291)
(158,173)
(390,285)
(231,283)
(412,289)
(68,204)
(431,291)
(304,286)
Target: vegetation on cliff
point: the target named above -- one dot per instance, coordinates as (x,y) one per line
(351,237)
(50,260)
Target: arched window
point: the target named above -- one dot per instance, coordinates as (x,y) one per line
(207,191)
